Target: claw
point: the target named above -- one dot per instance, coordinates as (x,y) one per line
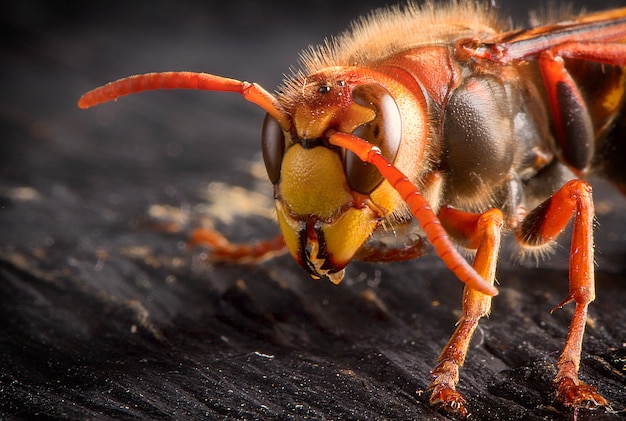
(450,400)
(579,395)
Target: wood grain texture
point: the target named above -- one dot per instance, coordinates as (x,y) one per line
(106,315)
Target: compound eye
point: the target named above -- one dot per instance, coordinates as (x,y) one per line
(273,147)
(384,131)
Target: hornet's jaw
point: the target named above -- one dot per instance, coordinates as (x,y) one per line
(324,248)
(322,222)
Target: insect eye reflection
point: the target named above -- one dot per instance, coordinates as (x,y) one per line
(272,147)
(384,131)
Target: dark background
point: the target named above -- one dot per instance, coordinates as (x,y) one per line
(103,314)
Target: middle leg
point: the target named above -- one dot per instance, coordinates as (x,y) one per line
(481,232)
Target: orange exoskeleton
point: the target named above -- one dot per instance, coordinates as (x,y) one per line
(445,116)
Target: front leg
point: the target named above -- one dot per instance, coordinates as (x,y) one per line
(540,227)
(222,250)
(481,232)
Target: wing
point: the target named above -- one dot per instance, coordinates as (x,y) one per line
(581,62)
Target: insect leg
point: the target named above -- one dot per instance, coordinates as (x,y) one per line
(419,208)
(225,251)
(396,253)
(540,227)
(481,232)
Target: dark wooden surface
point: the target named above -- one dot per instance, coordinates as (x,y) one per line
(102,315)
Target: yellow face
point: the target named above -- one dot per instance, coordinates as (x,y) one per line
(321,221)
(328,202)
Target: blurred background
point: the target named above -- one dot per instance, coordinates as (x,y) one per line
(106,314)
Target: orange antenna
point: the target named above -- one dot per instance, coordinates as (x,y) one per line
(420,209)
(187,80)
